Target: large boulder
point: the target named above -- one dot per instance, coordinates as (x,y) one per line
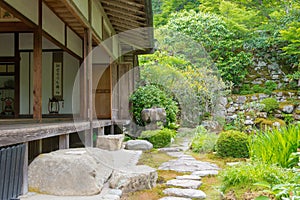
(138,145)
(110,142)
(135,178)
(70,172)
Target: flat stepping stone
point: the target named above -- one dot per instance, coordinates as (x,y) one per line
(189,184)
(189,177)
(187,193)
(233,163)
(206,173)
(186,165)
(171,149)
(174,198)
(186,157)
(175,154)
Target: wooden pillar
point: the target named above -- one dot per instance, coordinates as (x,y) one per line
(88,60)
(37,69)
(17,77)
(83,91)
(64,141)
(25,170)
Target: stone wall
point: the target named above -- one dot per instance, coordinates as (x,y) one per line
(289,106)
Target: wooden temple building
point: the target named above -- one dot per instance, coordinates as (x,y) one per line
(61,60)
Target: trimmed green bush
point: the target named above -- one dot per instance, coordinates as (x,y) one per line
(159,138)
(233,144)
(271,104)
(149,96)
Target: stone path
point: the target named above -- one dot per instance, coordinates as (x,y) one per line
(186,187)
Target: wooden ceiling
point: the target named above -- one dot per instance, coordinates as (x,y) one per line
(65,12)
(130,19)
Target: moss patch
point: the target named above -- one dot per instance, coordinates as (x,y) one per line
(154,158)
(268,122)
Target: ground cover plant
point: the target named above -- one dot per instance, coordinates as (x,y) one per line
(276,146)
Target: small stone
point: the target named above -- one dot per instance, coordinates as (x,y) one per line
(134,178)
(223,101)
(248,122)
(231,109)
(262,115)
(205,173)
(242,99)
(275,77)
(110,142)
(189,177)
(189,193)
(297,117)
(256,82)
(288,109)
(276,124)
(262,96)
(279,94)
(189,184)
(138,145)
(261,64)
(174,198)
(254,98)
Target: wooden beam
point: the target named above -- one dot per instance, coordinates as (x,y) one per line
(37,69)
(14,27)
(122,7)
(132,3)
(125,25)
(127,21)
(116,12)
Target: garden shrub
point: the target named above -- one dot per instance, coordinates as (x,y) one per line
(159,138)
(149,96)
(257,89)
(246,175)
(270,85)
(232,144)
(271,104)
(203,141)
(276,146)
(245,89)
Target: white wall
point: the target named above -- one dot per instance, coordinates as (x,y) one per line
(28,8)
(70,66)
(53,25)
(24,83)
(7,44)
